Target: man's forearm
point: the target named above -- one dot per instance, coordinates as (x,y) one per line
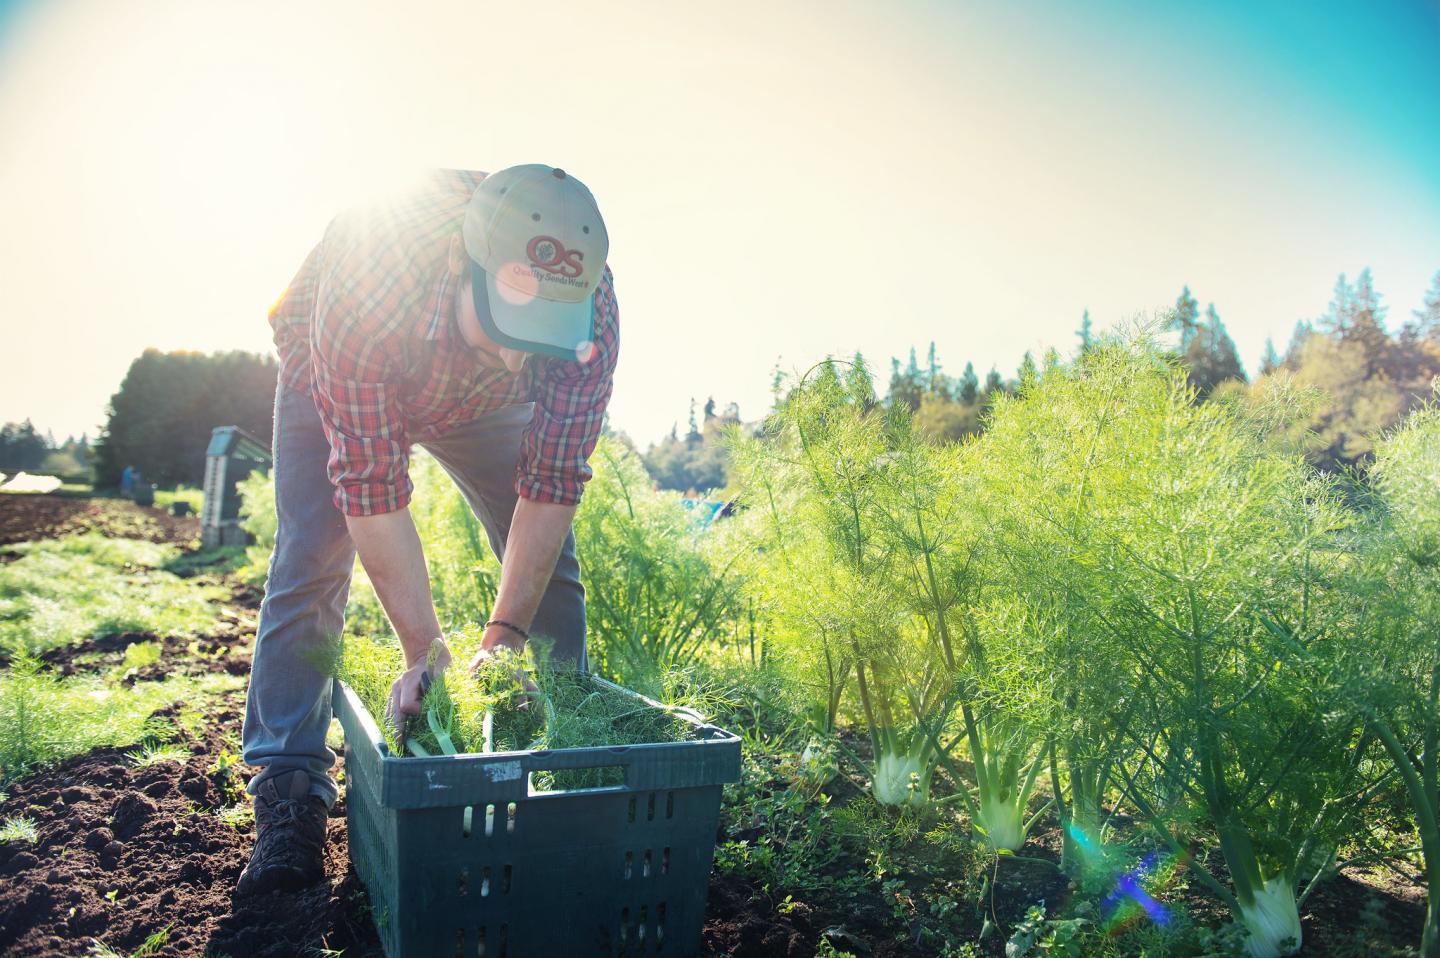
(537,531)
(390,550)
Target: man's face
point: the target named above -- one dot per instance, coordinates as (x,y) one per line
(486,350)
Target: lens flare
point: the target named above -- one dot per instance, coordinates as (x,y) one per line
(516,284)
(1133,898)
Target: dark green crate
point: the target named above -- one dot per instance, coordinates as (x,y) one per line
(462,858)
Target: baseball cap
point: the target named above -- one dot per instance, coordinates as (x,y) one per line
(537,249)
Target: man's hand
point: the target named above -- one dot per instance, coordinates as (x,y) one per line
(496,641)
(407,691)
(500,642)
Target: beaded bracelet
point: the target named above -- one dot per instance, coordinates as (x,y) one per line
(509,625)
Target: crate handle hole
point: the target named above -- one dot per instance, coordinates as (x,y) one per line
(480,942)
(660,925)
(665,863)
(485,882)
(629,863)
(645,869)
(504,949)
(469,817)
(505,881)
(608,778)
(632,809)
(511,811)
(489,820)
(464,883)
(624,926)
(650,814)
(460,943)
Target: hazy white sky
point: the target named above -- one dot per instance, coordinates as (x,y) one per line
(780,180)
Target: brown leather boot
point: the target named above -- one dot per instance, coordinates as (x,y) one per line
(289,848)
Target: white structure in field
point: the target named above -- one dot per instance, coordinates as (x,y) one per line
(232,455)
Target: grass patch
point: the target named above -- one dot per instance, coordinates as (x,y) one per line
(220,560)
(45,719)
(19,829)
(193,496)
(140,655)
(155,753)
(76,587)
(150,946)
(239,815)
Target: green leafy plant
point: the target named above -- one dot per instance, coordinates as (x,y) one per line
(18,828)
(509,703)
(659,588)
(870,559)
(1172,550)
(816,483)
(44,718)
(1398,682)
(156,753)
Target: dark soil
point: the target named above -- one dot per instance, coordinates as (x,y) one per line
(225,649)
(126,851)
(26,516)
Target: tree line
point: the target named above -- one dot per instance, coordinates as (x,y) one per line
(161,417)
(1357,378)
(23,448)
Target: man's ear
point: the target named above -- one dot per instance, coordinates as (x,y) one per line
(457,256)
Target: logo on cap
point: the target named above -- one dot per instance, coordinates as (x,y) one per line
(549,254)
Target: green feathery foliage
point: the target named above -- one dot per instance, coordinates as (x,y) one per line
(508,703)
(46,719)
(63,590)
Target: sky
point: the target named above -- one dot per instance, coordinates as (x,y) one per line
(780,181)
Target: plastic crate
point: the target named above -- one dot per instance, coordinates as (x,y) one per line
(462,858)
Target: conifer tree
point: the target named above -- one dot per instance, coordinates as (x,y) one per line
(1185,318)
(1029,372)
(1425,327)
(1293,352)
(1086,333)
(1271,360)
(1211,356)
(969,386)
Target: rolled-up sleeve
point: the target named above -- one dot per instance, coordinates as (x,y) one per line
(570,401)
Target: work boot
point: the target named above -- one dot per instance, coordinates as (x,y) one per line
(289,848)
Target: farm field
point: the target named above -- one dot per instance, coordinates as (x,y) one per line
(904,804)
(132,841)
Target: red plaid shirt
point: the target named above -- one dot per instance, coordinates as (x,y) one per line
(367,328)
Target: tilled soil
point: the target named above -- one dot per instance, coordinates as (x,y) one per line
(127,851)
(25,516)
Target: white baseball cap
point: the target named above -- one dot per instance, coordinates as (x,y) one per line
(537,250)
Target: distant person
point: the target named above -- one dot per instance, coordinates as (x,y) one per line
(476,317)
(127,481)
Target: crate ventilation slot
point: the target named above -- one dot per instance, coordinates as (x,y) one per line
(470,943)
(635,937)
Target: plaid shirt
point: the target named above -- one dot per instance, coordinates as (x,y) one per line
(367,328)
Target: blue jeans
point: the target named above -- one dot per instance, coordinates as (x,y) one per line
(287,709)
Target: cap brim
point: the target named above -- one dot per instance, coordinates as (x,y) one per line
(565,330)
